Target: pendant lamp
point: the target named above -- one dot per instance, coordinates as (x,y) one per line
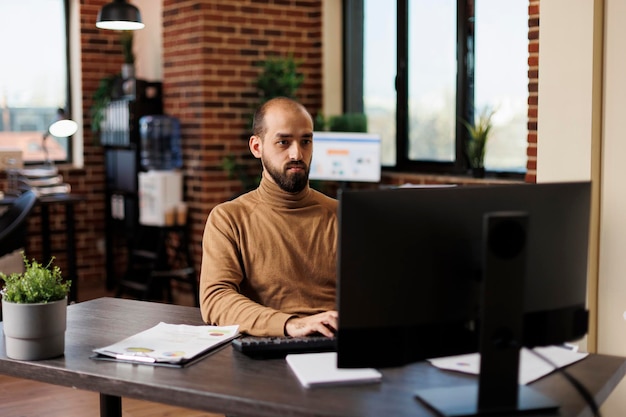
(119,15)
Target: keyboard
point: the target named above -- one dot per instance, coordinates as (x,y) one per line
(277,347)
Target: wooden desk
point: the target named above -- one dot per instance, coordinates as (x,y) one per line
(68,201)
(229,382)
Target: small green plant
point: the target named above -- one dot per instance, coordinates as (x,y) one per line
(280,77)
(348,122)
(37,284)
(478,137)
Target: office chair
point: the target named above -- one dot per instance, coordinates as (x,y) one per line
(13,223)
(159,255)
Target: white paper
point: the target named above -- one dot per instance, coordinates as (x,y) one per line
(172,343)
(531,367)
(318,369)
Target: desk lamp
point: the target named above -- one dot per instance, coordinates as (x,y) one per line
(63,127)
(119,15)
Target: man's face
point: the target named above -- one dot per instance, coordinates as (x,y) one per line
(287,147)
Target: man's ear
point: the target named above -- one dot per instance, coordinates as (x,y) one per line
(256,146)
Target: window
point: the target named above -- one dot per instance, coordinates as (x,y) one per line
(432,80)
(33,76)
(501,80)
(428,65)
(379,93)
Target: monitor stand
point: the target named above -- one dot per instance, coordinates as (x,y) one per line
(498,390)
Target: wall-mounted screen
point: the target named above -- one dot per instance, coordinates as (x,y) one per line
(346,156)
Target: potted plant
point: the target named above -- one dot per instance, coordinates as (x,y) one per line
(476,144)
(128,67)
(347,122)
(280,77)
(34,309)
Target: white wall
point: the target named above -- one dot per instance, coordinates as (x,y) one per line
(612,266)
(565,90)
(332,40)
(582,108)
(148,42)
(76,74)
(612,285)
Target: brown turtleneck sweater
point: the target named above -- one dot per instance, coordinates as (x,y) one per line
(268,256)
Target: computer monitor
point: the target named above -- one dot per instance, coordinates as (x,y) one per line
(412,264)
(346,156)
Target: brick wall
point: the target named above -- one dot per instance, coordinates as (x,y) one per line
(209,54)
(533,81)
(210,51)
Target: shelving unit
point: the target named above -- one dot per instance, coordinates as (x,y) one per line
(120,138)
(141,261)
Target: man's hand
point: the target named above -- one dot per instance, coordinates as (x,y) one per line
(324,323)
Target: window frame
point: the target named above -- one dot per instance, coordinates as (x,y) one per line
(68,75)
(68,108)
(353,44)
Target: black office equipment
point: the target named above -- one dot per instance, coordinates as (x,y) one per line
(276,347)
(120,137)
(13,223)
(420,271)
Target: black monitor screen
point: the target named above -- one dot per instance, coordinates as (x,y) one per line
(410,268)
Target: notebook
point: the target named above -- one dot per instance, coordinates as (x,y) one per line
(320,369)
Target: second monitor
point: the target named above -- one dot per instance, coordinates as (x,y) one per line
(346,156)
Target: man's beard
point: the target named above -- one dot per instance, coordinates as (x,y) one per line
(289,182)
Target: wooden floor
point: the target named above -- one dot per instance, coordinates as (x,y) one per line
(25,398)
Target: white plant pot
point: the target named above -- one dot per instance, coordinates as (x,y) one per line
(34,331)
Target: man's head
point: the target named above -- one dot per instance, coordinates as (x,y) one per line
(283,140)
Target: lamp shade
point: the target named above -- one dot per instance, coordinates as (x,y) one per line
(63,128)
(119,15)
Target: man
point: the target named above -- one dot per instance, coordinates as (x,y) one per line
(269,256)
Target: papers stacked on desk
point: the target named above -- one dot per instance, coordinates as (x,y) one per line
(44,181)
(531,367)
(164,343)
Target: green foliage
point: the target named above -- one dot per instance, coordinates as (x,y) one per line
(348,122)
(478,137)
(38,284)
(236,169)
(279,78)
(101,99)
(319,124)
(126,40)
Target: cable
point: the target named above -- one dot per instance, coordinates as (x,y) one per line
(575,383)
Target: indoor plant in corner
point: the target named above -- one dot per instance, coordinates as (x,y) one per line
(477,142)
(34,310)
